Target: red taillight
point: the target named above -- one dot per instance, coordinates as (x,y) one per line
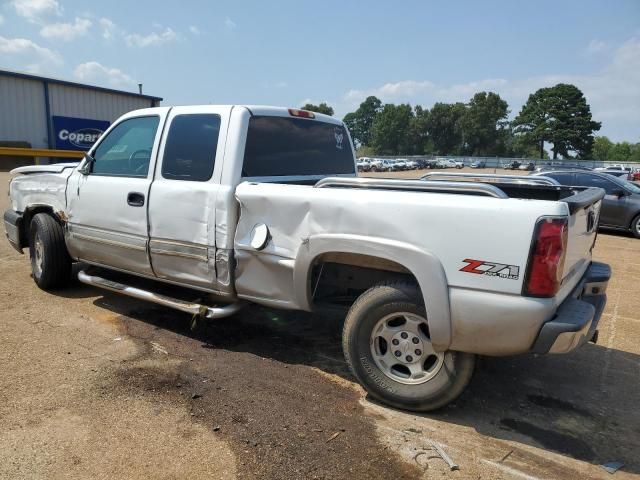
(294,112)
(546,263)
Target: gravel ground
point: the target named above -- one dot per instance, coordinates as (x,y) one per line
(100,386)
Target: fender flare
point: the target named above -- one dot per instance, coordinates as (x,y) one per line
(424,266)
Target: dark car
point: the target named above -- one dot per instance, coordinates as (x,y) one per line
(621,204)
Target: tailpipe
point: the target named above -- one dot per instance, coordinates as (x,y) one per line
(195,309)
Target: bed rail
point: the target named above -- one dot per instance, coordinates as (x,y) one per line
(419,185)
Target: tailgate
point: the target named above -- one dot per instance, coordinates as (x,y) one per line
(584,216)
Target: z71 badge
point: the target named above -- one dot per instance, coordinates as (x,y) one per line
(481,267)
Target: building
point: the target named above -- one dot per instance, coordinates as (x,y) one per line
(41,112)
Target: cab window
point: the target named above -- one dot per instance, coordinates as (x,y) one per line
(586,180)
(126,150)
(190,151)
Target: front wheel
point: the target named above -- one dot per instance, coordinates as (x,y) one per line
(635,227)
(50,261)
(387,344)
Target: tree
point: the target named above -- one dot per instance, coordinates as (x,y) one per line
(390,132)
(360,122)
(601,148)
(484,125)
(561,116)
(444,133)
(322,108)
(418,135)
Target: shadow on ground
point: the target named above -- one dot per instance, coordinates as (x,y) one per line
(582,405)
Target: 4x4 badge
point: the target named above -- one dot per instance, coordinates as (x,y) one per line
(482,267)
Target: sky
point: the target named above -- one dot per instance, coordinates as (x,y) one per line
(292,52)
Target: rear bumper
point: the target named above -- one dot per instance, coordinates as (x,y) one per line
(13,229)
(577,318)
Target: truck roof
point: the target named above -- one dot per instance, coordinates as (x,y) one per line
(267,110)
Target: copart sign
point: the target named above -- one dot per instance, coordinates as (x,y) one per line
(77,133)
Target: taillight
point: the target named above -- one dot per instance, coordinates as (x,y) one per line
(546,263)
(294,112)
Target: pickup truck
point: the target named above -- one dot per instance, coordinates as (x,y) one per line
(224,205)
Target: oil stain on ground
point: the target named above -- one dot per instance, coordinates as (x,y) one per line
(282,419)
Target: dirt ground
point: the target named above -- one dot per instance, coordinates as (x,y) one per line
(95,385)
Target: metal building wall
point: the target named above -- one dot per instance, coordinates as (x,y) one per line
(69,101)
(22,111)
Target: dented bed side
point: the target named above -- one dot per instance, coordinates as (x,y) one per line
(431,235)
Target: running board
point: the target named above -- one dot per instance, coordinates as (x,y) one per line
(188,307)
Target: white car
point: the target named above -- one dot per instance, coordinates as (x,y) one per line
(448,163)
(253,204)
(412,165)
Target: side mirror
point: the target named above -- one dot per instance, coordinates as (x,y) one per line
(618,192)
(87,166)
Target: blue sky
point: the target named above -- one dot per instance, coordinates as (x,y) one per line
(290,52)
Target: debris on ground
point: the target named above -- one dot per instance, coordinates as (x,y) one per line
(445,457)
(332,437)
(506,456)
(612,467)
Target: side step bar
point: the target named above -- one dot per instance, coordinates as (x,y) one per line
(188,307)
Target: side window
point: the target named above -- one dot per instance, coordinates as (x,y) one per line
(126,150)
(586,180)
(190,150)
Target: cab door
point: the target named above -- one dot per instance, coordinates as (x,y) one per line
(182,198)
(107,204)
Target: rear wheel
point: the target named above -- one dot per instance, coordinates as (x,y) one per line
(387,344)
(635,227)
(50,261)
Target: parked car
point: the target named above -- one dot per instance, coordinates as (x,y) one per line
(412,165)
(616,171)
(258,204)
(363,165)
(551,168)
(621,204)
(381,165)
(479,164)
(398,165)
(514,165)
(448,163)
(529,167)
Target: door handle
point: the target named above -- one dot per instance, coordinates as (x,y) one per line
(135,199)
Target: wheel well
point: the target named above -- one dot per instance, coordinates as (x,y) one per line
(29,213)
(339,278)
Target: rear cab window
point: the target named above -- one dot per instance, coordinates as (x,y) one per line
(291,147)
(190,150)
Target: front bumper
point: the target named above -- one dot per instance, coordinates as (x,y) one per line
(13,229)
(577,318)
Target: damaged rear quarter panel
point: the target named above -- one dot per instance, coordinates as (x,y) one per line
(430,234)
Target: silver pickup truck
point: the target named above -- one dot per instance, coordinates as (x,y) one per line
(261,204)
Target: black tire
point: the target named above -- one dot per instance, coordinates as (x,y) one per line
(635,227)
(378,302)
(51,265)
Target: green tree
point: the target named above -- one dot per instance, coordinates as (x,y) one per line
(360,122)
(365,151)
(391,130)
(561,116)
(419,131)
(444,132)
(322,108)
(484,125)
(601,148)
